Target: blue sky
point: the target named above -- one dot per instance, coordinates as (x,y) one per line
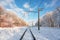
(22,6)
(45,4)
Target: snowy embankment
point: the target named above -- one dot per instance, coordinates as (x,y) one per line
(11,33)
(46,33)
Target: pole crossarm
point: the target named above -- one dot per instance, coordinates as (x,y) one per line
(39,9)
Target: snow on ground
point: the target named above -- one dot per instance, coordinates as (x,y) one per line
(27,36)
(45,33)
(37,34)
(11,33)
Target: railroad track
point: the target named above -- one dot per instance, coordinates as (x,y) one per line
(32,35)
(25,34)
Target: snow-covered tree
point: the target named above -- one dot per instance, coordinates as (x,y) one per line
(51,19)
(10,19)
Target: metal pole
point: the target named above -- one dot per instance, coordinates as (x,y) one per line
(38,18)
(32,23)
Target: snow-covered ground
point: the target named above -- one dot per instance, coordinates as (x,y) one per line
(11,33)
(27,35)
(45,33)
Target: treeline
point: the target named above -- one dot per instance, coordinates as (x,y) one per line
(50,19)
(10,19)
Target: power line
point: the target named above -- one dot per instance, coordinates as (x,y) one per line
(39,9)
